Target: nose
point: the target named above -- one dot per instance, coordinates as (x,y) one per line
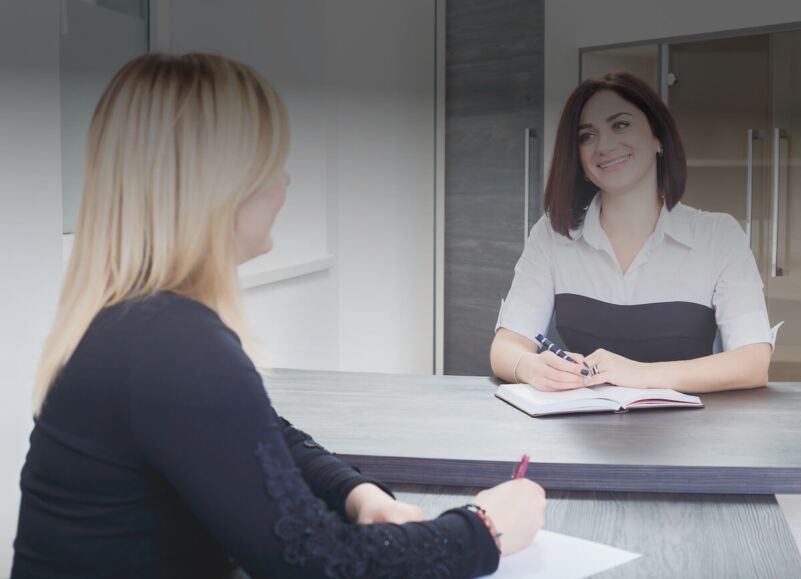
(607,142)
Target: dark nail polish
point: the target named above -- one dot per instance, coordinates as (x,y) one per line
(585,373)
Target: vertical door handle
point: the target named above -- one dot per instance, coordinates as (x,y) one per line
(749,187)
(775,270)
(529,140)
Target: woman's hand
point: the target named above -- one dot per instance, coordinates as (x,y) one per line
(517,510)
(367,504)
(549,372)
(617,370)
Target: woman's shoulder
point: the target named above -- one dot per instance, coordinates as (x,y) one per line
(161,306)
(710,229)
(543,232)
(178,347)
(161,320)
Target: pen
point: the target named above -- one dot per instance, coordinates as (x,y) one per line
(520,471)
(548,345)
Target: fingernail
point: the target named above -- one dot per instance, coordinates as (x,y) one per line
(585,373)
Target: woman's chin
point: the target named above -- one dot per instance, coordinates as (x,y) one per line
(256,252)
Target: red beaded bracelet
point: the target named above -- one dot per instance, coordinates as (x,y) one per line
(485,518)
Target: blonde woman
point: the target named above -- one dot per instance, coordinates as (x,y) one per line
(156,451)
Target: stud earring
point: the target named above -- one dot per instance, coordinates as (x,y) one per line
(659,152)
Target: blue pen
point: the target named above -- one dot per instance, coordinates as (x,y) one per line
(548,345)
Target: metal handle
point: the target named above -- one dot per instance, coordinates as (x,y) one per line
(529,135)
(775,270)
(749,187)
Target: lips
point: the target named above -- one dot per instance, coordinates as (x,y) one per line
(614,164)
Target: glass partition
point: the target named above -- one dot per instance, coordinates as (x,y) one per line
(97,38)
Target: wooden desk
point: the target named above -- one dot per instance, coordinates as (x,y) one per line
(450,430)
(729,536)
(434,430)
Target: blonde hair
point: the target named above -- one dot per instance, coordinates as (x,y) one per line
(176,144)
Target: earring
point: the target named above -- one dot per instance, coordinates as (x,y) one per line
(659,152)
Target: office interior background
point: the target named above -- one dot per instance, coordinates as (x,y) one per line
(421,137)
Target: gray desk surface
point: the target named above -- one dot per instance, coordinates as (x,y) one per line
(677,535)
(451,430)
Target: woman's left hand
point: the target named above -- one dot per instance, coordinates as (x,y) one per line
(367,504)
(616,370)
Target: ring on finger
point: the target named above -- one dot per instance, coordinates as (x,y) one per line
(595,369)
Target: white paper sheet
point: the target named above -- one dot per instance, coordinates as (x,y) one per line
(553,555)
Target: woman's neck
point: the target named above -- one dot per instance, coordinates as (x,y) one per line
(633,214)
(629,219)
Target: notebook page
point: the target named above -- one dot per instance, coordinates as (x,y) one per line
(536,402)
(628,396)
(553,555)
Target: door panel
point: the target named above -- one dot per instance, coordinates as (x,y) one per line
(784,280)
(494,94)
(721,92)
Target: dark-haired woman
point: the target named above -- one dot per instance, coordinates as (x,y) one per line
(640,285)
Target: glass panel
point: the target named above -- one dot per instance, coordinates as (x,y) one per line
(642,61)
(97,38)
(719,92)
(784,288)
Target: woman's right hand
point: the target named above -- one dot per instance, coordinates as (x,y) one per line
(549,372)
(517,510)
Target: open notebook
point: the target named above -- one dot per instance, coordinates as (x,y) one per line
(594,399)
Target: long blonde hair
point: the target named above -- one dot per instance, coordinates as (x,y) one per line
(175,145)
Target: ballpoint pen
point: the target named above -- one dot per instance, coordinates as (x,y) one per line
(520,470)
(548,345)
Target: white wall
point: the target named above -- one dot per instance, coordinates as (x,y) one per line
(574,24)
(297,319)
(30,227)
(381,167)
(361,106)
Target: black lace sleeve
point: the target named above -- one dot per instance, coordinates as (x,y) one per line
(312,535)
(328,477)
(202,420)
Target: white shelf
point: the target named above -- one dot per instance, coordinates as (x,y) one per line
(263,270)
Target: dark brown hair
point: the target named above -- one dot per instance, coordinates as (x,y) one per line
(568,194)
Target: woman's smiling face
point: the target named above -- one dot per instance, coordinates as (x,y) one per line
(616,145)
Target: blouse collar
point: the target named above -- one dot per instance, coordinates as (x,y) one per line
(674,223)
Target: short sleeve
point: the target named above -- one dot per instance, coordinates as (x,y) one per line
(528,306)
(738,297)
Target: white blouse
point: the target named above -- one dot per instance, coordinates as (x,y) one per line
(692,256)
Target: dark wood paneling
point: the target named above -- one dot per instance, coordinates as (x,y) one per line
(494,91)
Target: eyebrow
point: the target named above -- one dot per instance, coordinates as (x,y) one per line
(609,119)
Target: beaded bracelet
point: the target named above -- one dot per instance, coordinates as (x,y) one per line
(485,518)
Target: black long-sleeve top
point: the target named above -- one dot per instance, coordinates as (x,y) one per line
(158,454)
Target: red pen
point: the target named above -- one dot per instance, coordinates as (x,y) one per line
(520,471)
